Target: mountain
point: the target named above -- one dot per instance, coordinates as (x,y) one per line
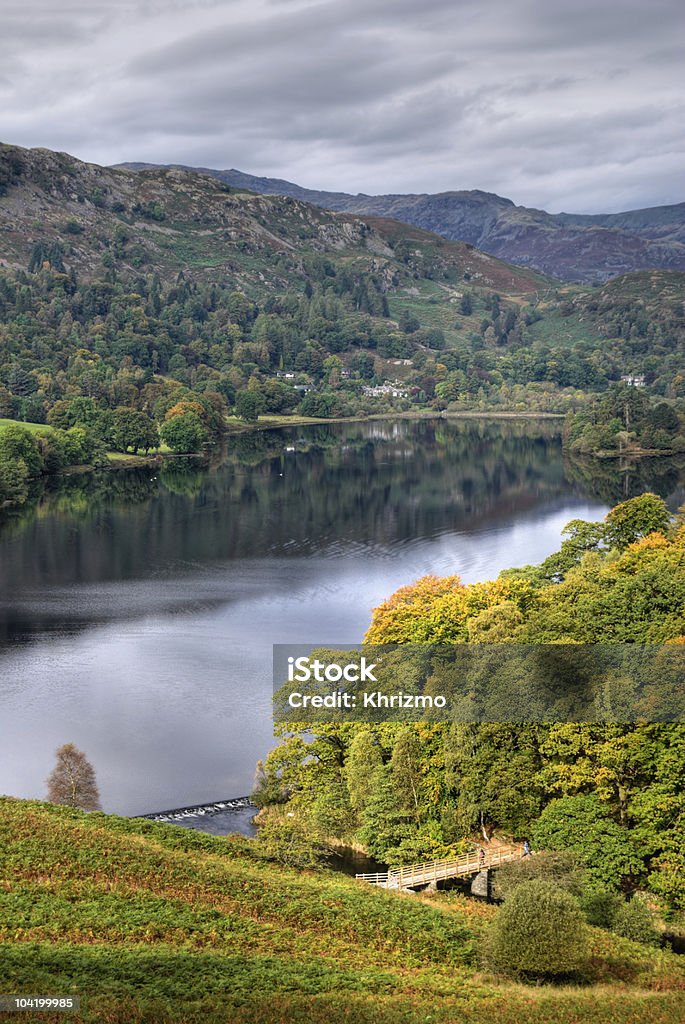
(171,219)
(125,286)
(109,278)
(573,247)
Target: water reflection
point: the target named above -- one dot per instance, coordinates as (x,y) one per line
(138,610)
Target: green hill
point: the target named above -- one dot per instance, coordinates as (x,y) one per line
(175,297)
(155,923)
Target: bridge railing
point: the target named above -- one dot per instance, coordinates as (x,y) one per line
(438,870)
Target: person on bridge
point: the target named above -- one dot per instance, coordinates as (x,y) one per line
(481,858)
(526,848)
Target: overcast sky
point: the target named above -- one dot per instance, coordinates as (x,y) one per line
(574,105)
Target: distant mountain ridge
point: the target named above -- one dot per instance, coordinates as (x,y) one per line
(586,248)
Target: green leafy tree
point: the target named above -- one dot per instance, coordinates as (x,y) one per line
(636,518)
(19,446)
(292,842)
(385,823)
(582,824)
(407,769)
(185,433)
(363,758)
(408,322)
(133,429)
(14,478)
(248,405)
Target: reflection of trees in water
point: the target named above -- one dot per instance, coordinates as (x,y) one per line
(183,476)
(614,480)
(80,496)
(382,483)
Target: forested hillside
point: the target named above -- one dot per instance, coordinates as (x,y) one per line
(147,308)
(612,794)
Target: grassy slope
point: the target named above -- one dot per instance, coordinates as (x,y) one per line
(155,923)
(34,428)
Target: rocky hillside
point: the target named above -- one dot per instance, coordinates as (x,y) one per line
(170,220)
(573,247)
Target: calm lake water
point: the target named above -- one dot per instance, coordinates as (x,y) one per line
(138,610)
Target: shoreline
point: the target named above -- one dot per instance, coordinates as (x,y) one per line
(124,462)
(270,423)
(634,453)
(234,428)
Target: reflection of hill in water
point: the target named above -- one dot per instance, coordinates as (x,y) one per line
(365,486)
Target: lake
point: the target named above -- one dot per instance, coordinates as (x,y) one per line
(138,609)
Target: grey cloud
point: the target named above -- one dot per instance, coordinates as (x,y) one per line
(575,103)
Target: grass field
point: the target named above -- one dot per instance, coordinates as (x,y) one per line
(35,428)
(155,923)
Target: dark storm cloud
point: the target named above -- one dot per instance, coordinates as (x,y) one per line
(574,104)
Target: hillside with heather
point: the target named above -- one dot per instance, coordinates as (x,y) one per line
(575,247)
(150,923)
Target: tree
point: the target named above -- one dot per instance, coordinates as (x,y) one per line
(248,405)
(584,825)
(133,429)
(408,322)
(539,932)
(363,757)
(635,518)
(72,780)
(19,446)
(385,822)
(407,771)
(292,842)
(185,433)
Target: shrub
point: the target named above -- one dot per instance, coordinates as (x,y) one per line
(600,906)
(634,921)
(538,933)
(562,868)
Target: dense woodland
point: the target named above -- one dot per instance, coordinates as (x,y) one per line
(626,420)
(130,364)
(612,795)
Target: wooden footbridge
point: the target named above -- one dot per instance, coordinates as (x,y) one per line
(472,863)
